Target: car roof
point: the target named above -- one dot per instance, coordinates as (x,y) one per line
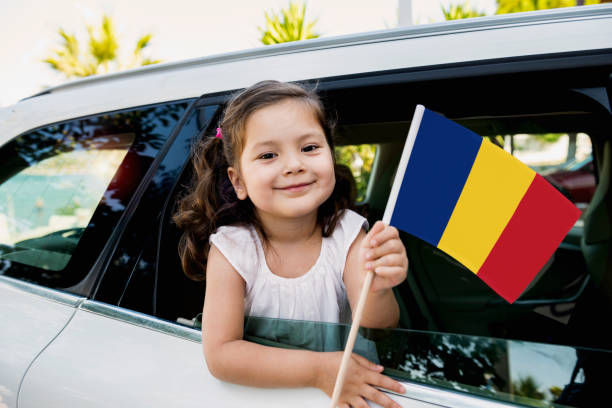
(495,37)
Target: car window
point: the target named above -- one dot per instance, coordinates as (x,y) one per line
(359,159)
(63,188)
(145,273)
(46,206)
(564,159)
(526,373)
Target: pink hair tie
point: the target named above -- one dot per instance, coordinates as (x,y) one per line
(219,133)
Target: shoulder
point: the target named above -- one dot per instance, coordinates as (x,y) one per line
(237,244)
(349,229)
(350,219)
(233,240)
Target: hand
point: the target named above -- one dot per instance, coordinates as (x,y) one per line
(383,253)
(362,376)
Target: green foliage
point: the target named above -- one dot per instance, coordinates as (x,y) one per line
(101,54)
(513,6)
(549,137)
(287,25)
(359,159)
(104,47)
(459,11)
(527,387)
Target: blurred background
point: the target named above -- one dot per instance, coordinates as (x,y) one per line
(45,43)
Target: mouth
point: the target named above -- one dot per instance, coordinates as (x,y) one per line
(296,187)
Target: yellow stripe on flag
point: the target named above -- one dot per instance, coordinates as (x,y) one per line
(495,186)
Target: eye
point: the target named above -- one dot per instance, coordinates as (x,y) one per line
(267,156)
(310,148)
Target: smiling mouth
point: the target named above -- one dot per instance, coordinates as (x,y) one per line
(296,187)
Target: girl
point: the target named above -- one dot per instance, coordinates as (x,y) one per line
(268,221)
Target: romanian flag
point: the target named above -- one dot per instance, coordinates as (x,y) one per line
(476,202)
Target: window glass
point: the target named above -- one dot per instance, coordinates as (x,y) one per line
(64,187)
(145,273)
(564,159)
(359,159)
(45,207)
(527,373)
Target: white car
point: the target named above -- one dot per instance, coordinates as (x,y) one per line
(95,310)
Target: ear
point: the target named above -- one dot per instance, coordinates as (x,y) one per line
(239,186)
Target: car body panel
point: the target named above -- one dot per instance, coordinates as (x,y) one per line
(30,321)
(122,354)
(130,370)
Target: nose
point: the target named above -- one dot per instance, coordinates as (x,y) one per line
(293,164)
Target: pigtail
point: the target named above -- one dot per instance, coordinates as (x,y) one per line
(204,208)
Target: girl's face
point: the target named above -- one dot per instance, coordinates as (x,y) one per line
(286,166)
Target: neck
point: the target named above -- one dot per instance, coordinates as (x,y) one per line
(289,230)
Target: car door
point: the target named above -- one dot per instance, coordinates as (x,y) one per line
(63,189)
(31,317)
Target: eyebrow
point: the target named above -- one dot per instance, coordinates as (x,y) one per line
(266,143)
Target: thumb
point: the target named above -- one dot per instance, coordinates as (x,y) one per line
(364,362)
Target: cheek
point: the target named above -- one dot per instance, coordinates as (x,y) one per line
(328,170)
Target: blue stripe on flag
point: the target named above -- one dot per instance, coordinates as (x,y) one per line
(440,162)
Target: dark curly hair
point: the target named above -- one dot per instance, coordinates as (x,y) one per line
(211,200)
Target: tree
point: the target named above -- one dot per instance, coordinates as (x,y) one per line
(101,55)
(459,11)
(528,387)
(287,25)
(514,6)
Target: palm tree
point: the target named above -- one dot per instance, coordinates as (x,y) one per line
(459,11)
(513,6)
(101,55)
(287,25)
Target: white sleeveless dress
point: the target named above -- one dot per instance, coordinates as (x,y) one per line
(317,295)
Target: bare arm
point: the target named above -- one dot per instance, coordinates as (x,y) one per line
(235,360)
(232,359)
(387,257)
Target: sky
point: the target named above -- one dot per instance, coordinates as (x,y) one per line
(182,29)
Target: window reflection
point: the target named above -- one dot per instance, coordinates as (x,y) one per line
(532,374)
(44,209)
(70,182)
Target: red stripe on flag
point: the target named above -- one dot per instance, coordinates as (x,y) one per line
(539,224)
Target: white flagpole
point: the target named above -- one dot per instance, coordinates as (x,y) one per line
(350,343)
(397,182)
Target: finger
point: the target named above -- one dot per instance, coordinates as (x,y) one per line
(364,362)
(358,402)
(380,380)
(390,280)
(343,405)
(388,232)
(384,283)
(388,247)
(376,229)
(380,398)
(393,273)
(387,260)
